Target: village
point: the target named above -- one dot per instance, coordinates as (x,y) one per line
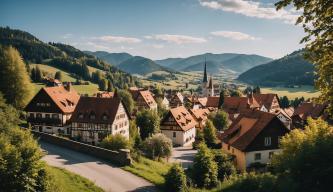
(255,122)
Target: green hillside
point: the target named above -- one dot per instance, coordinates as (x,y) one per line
(241,62)
(112,58)
(140,65)
(292,69)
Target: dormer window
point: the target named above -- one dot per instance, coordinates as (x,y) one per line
(105,117)
(80,116)
(268,141)
(92,116)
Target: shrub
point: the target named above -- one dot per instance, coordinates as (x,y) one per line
(175,179)
(225,165)
(209,133)
(157,146)
(115,142)
(148,122)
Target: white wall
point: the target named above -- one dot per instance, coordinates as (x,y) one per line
(181,136)
(249,156)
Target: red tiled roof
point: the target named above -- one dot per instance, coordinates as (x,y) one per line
(246,127)
(200,114)
(104,94)
(308,109)
(265,99)
(97,107)
(203,101)
(213,101)
(64,99)
(146,95)
(237,104)
(183,118)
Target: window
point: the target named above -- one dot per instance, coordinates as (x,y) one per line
(105,117)
(257,156)
(80,116)
(55,116)
(32,115)
(92,116)
(39,115)
(270,154)
(228,147)
(279,139)
(232,150)
(174,134)
(42,104)
(48,104)
(47,116)
(268,141)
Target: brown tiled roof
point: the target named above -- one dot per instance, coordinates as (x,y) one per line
(213,101)
(289,111)
(265,99)
(104,94)
(97,107)
(203,101)
(282,111)
(147,96)
(308,109)
(200,114)
(64,99)
(183,118)
(246,127)
(237,104)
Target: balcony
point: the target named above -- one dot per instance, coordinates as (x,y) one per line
(44,121)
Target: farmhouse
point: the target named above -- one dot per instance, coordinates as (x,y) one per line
(201,116)
(176,100)
(51,108)
(96,117)
(253,138)
(306,110)
(179,125)
(144,99)
(268,102)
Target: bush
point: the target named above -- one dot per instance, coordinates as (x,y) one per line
(209,133)
(115,142)
(219,119)
(175,179)
(225,164)
(251,182)
(157,146)
(204,171)
(148,122)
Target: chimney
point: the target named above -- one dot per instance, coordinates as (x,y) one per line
(68,86)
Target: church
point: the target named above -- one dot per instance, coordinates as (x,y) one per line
(207,87)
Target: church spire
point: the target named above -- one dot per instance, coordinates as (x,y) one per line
(205,79)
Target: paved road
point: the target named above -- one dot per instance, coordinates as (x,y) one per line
(183,155)
(109,178)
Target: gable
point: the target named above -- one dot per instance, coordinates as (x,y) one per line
(42,102)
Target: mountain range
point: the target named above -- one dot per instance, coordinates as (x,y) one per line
(291,69)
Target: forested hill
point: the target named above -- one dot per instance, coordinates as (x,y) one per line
(292,69)
(64,57)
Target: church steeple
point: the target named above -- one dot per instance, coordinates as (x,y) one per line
(205,79)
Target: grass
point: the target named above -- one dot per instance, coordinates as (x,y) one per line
(150,170)
(69,182)
(81,89)
(52,70)
(292,93)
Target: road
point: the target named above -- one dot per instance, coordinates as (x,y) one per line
(104,175)
(183,155)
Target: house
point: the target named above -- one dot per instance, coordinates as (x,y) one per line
(96,117)
(176,100)
(201,116)
(51,108)
(51,82)
(253,138)
(284,116)
(306,110)
(179,125)
(234,105)
(192,101)
(144,99)
(164,101)
(268,102)
(104,94)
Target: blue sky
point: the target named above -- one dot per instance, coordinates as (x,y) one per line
(159,29)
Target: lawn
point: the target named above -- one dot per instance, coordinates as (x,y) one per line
(52,70)
(292,93)
(150,170)
(70,182)
(81,89)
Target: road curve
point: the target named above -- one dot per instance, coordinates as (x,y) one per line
(104,175)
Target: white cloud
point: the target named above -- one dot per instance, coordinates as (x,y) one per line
(67,36)
(178,39)
(251,9)
(234,35)
(117,39)
(158,46)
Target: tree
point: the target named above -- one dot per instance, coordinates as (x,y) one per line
(110,87)
(115,142)
(158,146)
(102,85)
(162,111)
(316,19)
(85,72)
(148,122)
(58,75)
(204,171)
(210,134)
(257,90)
(221,100)
(306,157)
(15,82)
(220,119)
(235,93)
(284,102)
(225,164)
(127,99)
(175,179)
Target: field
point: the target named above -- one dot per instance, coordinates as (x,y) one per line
(81,89)
(70,182)
(292,93)
(52,70)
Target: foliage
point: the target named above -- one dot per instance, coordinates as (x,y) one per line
(209,133)
(297,101)
(221,100)
(127,99)
(102,85)
(235,93)
(302,154)
(257,90)
(148,122)
(225,164)
(15,82)
(157,146)
(58,75)
(175,179)
(251,182)
(219,119)
(204,172)
(316,19)
(162,111)
(284,102)
(115,142)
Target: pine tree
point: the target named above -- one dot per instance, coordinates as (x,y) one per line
(39,75)
(110,87)
(15,82)
(221,100)
(210,134)
(58,75)
(175,179)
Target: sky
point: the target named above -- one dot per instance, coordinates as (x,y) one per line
(159,29)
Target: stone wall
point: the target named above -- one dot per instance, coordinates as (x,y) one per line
(121,157)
